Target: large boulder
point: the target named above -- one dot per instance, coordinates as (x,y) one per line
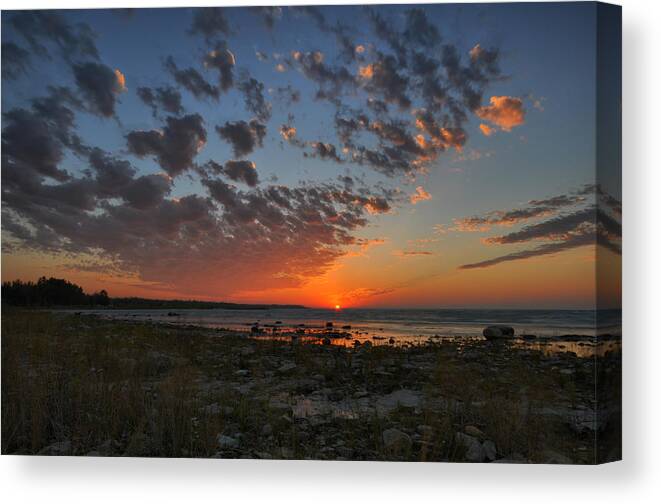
(498,332)
(395,440)
(474,451)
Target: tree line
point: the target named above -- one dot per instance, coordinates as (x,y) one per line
(59,292)
(50,292)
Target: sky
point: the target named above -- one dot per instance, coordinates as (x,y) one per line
(384,156)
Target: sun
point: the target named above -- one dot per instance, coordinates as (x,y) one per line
(338,307)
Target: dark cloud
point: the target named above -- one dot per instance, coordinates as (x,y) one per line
(419,30)
(325,151)
(39,27)
(383,79)
(174,146)
(551,229)
(386,32)
(222,60)
(147,191)
(253,94)
(192,80)
(35,139)
(288,95)
(15,61)
(100,85)
(332,80)
(550,248)
(165,98)
(210,22)
(244,136)
(268,14)
(583,225)
(241,171)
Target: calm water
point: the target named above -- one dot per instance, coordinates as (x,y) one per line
(399,324)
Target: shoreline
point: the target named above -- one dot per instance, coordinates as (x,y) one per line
(161,390)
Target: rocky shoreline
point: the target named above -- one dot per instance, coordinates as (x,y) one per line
(113,388)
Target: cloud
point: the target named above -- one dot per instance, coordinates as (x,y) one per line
(253,94)
(36,139)
(419,30)
(100,85)
(584,224)
(192,80)
(243,136)
(268,14)
(174,146)
(504,111)
(210,22)
(15,61)
(166,98)
(222,60)
(487,130)
(325,151)
(49,27)
(332,80)
(288,132)
(383,79)
(412,253)
(242,171)
(551,248)
(534,209)
(420,195)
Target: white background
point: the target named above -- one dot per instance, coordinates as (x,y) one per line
(636,479)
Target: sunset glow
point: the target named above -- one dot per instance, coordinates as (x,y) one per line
(248,165)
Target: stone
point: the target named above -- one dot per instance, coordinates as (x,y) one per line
(490,451)
(267,430)
(396,440)
(287,367)
(426,431)
(497,332)
(227,442)
(553,457)
(471,430)
(60,448)
(474,450)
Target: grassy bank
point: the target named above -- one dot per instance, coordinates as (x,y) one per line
(86,386)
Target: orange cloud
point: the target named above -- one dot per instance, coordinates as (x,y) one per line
(280,68)
(503,111)
(412,253)
(420,195)
(360,49)
(366,72)
(121,81)
(287,132)
(487,130)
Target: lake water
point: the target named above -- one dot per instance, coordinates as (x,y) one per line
(402,324)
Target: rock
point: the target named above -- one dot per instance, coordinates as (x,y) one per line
(396,440)
(497,332)
(490,451)
(60,448)
(474,450)
(267,430)
(227,442)
(286,367)
(241,372)
(553,457)
(471,430)
(426,431)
